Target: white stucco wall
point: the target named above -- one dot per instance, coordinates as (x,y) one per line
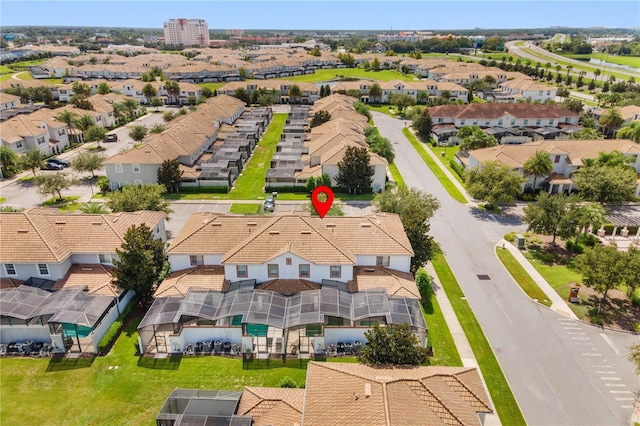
(22,333)
(179,262)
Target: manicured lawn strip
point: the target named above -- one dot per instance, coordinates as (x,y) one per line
(212,86)
(505,403)
(523,279)
(334,73)
(445,352)
(24,75)
(385,109)
(27,63)
(4,77)
(397,177)
(444,180)
(450,152)
(3,199)
(632,61)
(251,183)
(37,389)
(244,208)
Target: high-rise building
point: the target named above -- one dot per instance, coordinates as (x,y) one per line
(186,32)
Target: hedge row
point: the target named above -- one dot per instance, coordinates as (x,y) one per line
(114,331)
(457,168)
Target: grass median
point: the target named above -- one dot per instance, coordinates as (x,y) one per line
(521,276)
(397,177)
(505,403)
(445,352)
(245,208)
(431,163)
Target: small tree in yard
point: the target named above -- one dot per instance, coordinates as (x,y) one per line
(137,133)
(314,182)
(156,102)
(354,170)
(494,183)
(422,124)
(140,262)
(319,118)
(552,215)
(402,101)
(132,198)
(538,165)
(474,138)
(605,184)
(53,184)
(423,281)
(602,268)
(95,134)
(87,161)
(31,160)
(170,175)
(395,345)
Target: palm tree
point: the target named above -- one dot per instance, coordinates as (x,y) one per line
(8,158)
(630,131)
(597,73)
(131,105)
(538,165)
(569,68)
(69,118)
(157,128)
(610,120)
(149,92)
(294,93)
(94,208)
(104,89)
(118,111)
(375,91)
(589,214)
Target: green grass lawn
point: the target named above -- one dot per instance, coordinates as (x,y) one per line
(397,177)
(523,279)
(38,391)
(244,208)
(55,201)
(2,199)
(24,75)
(385,109)
(632,61)
(445,352)
(444,180)
(449,155)
(330,74)
(212,86)
(27,63)
(4,77)
(250,184)
(505,403)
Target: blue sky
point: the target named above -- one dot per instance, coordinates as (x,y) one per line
(348,15)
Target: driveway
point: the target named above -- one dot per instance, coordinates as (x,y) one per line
(561,371)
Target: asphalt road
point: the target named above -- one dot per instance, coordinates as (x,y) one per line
(562,372)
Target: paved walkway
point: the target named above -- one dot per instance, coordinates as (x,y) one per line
(459,338)
(557,303)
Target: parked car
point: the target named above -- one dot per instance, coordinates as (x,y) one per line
(52,166)
(111,138)
(63,163)
(269,204)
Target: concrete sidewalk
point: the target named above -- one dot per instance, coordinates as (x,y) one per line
(459,338)
(557,303)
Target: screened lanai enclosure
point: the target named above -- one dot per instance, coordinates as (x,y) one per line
(265,323)
(69,319)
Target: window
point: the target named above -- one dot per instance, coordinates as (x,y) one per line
(10,268)
(118,168)
(19,145)
(196,259)
(551,122)
(335,271)
(556,159)
(61,132)
(487,123)
(526,122)
(305,270)
(138,182)
(382,260)
(288,261)
(540,93)
(500,122)
(43,269)
(40,141)
(136,168)
(242,271)
(513,122)
(548,92)
(272,271)
(462,122)
(538,122)
(475,122)
(105,258)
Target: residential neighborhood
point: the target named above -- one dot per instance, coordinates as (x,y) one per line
(418,225)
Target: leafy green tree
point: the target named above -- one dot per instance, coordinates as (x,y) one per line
(415,208)
(84,122)
(474,138)
(602,267)
(288,382)
(375,64)
(322,95)
(104,89)
(295,93)
(319,118)
(82,103)
(588,215)
(132,106)
(423,282)
(52,184)
(393,345)
(206,92)
(574,105)
(422,124)
(605,184)
(634,356)
(242,94)
(401,101)
(81,89)
(494,183)
(156,102)
(132,198)
(149,92)
(586,134)
(8,159)
(32,160)
(138,133)
(95,134)
(157,128)
(266,100)
(87,161)
(610,120)
(173,90)
(94,208)
(140,262)
(632,276)
(103,184)
(354,170)
(552,215)
(538,165)
(170,175)
(384,148)
(362,108)
(630,131)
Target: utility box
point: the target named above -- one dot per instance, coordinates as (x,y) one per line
(520,241)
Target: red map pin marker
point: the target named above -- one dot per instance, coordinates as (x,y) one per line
(322,207)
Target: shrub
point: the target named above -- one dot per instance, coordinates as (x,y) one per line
(588,240)
(575,247)
(511,237)
(114,331)
(423,281)
(288,382)
(103,184)
(527,197)
(635,301)
(457,168)
(636,327)
(596,320)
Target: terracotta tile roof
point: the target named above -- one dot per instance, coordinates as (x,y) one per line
(45,235)
(289,287)
(204,277)
(577,150)
(397,283)
(356,394)
(10,283)
(95,277)
(491,110)
(272,406)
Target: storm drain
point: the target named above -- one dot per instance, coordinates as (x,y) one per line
(484,277)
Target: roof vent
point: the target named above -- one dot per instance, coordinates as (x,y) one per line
(367,390)
(274,232)
(305,232)
(330,225)
(365,225)
(216,224)
(369,270)
(96,223)
(87,269)
(22,231)
(252,223)
(60,222)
